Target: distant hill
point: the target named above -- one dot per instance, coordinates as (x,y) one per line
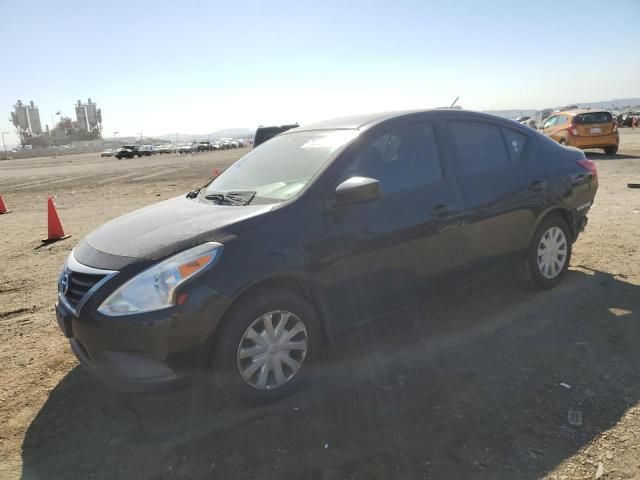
(615,104)
(513,114)
(225,133)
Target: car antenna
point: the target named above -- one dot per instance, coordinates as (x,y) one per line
(455,101)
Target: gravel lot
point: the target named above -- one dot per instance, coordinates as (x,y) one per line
(466,385)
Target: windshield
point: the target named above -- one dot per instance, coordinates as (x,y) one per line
(280,168)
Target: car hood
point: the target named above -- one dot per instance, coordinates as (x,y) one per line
(159,230)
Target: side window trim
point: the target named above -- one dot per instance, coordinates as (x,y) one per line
(446,172)
(438,149)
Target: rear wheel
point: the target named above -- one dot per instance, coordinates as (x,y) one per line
(612,150)
(549,254)
(562,141)
(266,346)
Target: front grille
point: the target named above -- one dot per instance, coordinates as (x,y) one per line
(79,284)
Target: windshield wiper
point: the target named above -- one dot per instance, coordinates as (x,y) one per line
(232,198)
(196,192)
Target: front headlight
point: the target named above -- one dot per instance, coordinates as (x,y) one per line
(154,288)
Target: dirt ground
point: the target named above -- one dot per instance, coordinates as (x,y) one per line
(476,383)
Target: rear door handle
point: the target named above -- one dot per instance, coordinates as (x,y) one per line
(440,210)
(537,185)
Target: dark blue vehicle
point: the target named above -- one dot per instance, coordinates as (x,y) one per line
(318,230)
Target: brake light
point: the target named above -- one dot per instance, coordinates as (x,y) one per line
(573,130)
(615,127)
(589,165)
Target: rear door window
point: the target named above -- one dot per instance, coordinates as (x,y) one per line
(480,146)
(562,119)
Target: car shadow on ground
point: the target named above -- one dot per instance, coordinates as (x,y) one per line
(593,155)
(466,385)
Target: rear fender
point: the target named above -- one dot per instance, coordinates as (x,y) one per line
(564,213)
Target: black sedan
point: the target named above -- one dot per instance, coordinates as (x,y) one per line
(318,230)
(128,151)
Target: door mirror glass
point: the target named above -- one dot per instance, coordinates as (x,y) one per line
(357,190)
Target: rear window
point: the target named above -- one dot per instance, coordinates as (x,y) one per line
(593,117)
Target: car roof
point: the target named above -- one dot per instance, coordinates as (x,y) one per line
(580,111)
(368,120)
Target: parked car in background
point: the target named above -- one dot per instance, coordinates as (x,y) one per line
(204,146)
(528,121)
(395,207)
(188,148)
(265,133)
(109,152)
(147,150)
(626,119)
(164,148)
(127,151)
(583,129)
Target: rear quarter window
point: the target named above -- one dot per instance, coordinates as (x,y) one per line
(593,117)
(516,143)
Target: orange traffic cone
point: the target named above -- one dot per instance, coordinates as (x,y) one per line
(3,209)
(55,227)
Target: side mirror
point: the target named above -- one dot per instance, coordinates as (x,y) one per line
(357,190)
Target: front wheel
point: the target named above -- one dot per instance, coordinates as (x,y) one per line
(549,254)
(266,346)
(612,150)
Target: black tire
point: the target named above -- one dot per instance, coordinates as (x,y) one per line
(562,141)
(530,271)
(237,322)
(612,150)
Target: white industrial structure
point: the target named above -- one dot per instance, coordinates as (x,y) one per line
(89,117)
(26,119)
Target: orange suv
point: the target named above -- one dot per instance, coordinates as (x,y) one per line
(583,129)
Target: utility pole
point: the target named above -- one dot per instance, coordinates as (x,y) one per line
(3,144)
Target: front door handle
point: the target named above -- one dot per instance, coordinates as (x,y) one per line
(537,185)
(440,210)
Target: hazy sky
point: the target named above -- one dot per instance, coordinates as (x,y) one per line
(163,67)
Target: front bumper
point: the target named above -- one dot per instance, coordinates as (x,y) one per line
(143,352)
